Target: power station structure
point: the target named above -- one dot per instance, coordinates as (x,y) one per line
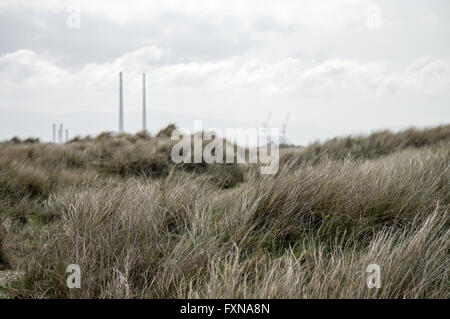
(120,104)
(58,136)
(60,132)
(54,132)
(266,129)
(144,105)
(282,137)
(144,110)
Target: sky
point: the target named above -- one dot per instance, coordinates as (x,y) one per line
(336,66)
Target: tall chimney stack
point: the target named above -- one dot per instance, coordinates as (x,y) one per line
(120,104)
(54,132)
(144,111)
(60,134)
(67,135)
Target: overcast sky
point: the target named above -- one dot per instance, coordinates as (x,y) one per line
(348,65)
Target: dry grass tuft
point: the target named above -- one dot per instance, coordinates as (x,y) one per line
(140,226)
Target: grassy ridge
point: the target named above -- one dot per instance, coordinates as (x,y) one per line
(140,226)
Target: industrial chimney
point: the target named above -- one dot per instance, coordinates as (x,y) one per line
(60,134)
(144,111)
(54,132)
(120,104)
(67,135)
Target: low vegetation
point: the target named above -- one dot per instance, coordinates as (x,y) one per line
(140,226)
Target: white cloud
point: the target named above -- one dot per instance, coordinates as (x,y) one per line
(24,69)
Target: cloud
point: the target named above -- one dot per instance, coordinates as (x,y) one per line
(24,69)
(227,57)
(102,37)
(202,30)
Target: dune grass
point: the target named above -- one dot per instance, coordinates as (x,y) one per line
(140,226)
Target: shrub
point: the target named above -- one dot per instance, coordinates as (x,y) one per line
(167,131)
(31,140)
(143,135)
(104,136)
(15,140)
